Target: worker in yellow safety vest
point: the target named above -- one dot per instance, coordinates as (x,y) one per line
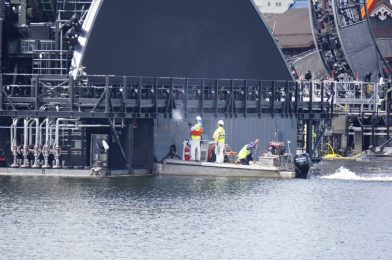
(196,134)
(219,139)
(246,154)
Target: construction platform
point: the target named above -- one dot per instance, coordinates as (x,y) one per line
(191,168)
(86,173)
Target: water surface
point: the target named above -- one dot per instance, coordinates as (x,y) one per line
(196,217)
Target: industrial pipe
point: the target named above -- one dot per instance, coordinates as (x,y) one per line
(44,122)
(14,145)
(56,146)
(25,143)
(36,143)
(46,147)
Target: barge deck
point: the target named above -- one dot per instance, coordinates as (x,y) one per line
(191,168)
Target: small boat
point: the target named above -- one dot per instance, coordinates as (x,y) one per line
(375,156)
(273,164)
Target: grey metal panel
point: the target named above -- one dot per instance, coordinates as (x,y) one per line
(312,62)
(183,38)
(239,131)
(385,46)
(360,50)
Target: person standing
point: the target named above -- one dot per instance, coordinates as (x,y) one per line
(196,133)
(219,139)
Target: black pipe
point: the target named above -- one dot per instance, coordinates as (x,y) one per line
(71,93)
(309,138)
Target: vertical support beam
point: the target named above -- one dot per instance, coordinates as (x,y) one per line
(232,99)
(124,94)
(216,97)
(332,102)
(156,97)
(107,95)
(171,97)
(57,36)
(130,143)
(387,100)
(272,101)
(309,141)
(36,85)
(112,123)
(22,13)
(358,141)
(260,98)
(245,98)
(202,98)
(139,96)
(1,92)
(71,93)
(287,100)
(186,97)
(296,98)
(310,99)
(1,34)
(373,130)
(386,108)
(322,98)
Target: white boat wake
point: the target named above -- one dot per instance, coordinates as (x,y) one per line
(345,174)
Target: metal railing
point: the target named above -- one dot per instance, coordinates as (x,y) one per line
(122,96)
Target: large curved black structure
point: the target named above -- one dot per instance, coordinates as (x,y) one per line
(179,38)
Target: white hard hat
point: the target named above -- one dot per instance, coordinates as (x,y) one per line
(198,118)
(220,122)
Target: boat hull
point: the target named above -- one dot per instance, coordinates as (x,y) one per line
(190,168)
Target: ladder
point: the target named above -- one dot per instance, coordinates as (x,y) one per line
(57,60)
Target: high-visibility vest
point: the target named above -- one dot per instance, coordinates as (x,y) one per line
(196,131)
(219,135)
(244,152)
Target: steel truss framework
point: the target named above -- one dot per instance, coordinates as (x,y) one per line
(146,97)
(327,40)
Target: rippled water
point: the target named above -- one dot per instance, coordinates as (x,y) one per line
(196,218)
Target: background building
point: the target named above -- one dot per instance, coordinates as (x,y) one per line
(273,6)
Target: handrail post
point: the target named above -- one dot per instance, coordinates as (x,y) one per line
(322,97)
(71,92)
(296,98)
(1,92)
(201,110)
(107,94)
(34,91)
(216,97)
(156,97)
(260,97)
(272,101)
(139,96)
(245,98)
(310,98)
(186,98)
(124,94)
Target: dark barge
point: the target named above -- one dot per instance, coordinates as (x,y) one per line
(60,100)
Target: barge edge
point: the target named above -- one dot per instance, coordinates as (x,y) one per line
(185,168)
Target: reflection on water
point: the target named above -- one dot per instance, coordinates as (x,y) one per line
(194,217)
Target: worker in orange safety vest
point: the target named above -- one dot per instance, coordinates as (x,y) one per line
(196,134)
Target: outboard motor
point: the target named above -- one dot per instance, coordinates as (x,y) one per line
(302,165)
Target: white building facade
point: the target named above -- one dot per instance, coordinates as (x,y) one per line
(273,6)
